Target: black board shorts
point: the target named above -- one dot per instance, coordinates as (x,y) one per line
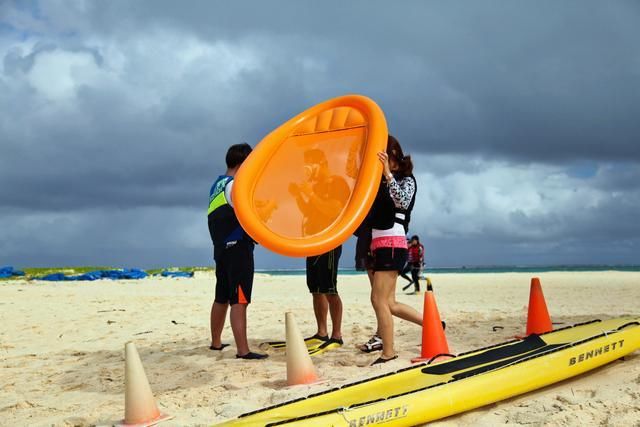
(322,272)
(234,273)
(390,259)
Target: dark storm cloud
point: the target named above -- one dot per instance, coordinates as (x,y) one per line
(107,151)
(546,81)
(620,177)
(127,107)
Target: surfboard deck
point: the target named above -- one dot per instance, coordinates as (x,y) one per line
(422,393)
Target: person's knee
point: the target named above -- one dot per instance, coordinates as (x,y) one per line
(239,307)
(333,298)
(394,308)
(378,301)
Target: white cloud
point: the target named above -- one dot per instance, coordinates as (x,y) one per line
(480,197)
(166,57)
(57,74)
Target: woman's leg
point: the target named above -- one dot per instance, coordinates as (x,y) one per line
(404,311)
(384,283)
(370,274)
(363,347)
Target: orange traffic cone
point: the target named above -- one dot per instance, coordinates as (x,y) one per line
(300,368)
(434,342)
(140,409)
(538,320)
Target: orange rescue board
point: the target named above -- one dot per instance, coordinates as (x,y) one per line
(309,184)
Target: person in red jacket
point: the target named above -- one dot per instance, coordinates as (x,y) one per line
(416,260)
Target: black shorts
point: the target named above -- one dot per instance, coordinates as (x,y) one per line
(390,259)
(234,273)
(364,259)
(322,272)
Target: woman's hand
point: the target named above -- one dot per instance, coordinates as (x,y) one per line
(384,159)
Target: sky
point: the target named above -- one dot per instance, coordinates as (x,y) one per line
(522,119)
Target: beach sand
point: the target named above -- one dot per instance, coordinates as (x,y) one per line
(62,346)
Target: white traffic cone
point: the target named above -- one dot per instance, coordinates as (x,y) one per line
(300,368)
(140,407)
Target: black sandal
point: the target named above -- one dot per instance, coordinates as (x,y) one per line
(252,356)
(211,347)
(380,360)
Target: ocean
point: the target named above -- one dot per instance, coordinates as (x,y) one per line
(477,269)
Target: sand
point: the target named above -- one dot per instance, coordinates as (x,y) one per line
(62,346)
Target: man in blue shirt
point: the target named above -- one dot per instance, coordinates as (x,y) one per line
(233,255)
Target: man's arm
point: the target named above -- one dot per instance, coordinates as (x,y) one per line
(227,193)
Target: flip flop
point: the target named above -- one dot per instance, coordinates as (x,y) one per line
(252,356)
(218,348)
(380,360)
(315,342)
(326,346)
(311,342)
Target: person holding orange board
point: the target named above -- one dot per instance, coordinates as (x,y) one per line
(233,254)
(389,219)
(320,197)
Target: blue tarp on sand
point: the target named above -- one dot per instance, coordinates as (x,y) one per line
(8,271)
(126,273)
(167,273)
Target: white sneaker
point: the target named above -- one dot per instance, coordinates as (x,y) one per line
(374,344)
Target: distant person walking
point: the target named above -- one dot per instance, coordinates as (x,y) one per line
(233,255)
(414,263)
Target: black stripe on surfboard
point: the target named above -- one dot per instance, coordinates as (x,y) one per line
(493,366)
(516,340)
(627,324)
(530,343)
(550,348)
